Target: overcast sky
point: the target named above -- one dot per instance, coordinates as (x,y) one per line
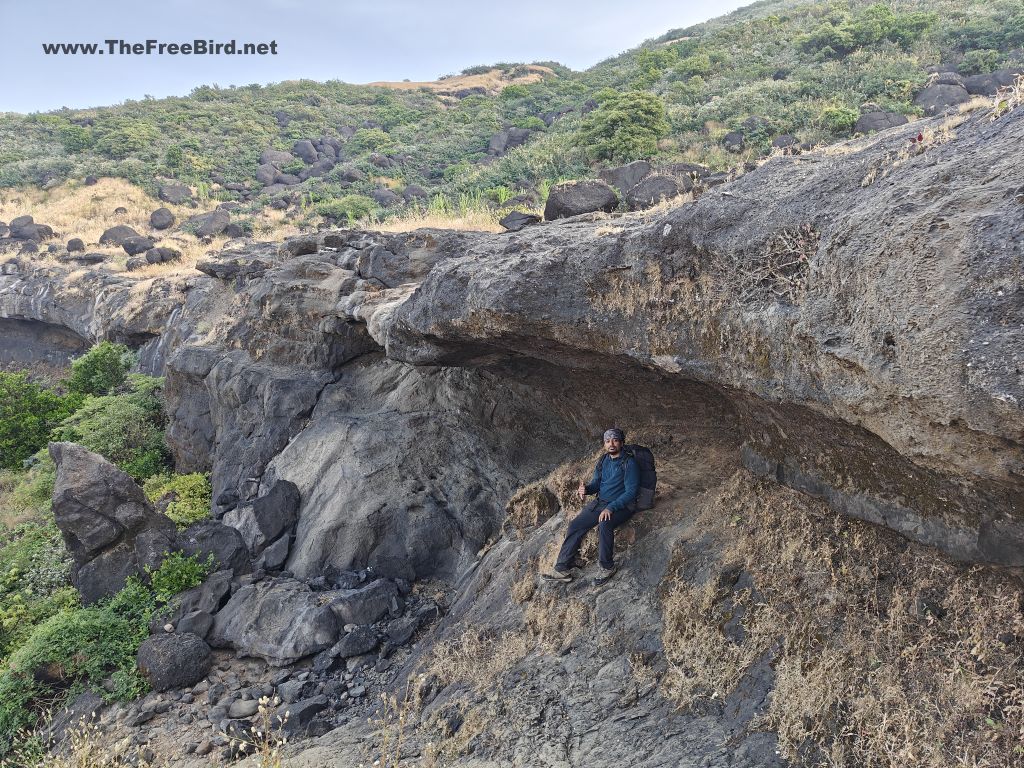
(357,41)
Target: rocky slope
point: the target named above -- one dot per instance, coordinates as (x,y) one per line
(846,323)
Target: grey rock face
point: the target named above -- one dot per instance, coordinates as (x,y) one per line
(280,621)
(107,523)
(173,660)
(734,141)
(576,197)
(209,537)
(175,194)
(651,191)
(305,150)
(625,177)
(363,605)
(208,224)
(301,714)
(277,157)
(207,598)
(935,99)
(267,517)
(357,642)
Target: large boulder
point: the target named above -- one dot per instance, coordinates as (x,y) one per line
(30,231)
(174,193)
(364,605)
(734,142)
(305,150)
(507,139)
(208,224)
(514,221)
(577,197)
(107,523)
(267,517)
(652,191)
(210,537)
(276,157)
(385,197)
(280,621)
(940,97)
(117,235)
(161,218)
(207,599)
(133,246)
(173,660)
(625,177)
(878,121)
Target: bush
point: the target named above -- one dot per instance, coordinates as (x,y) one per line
(190,496)
(980,61)
(624,127)
(370,140)
(127,429)
(101,370)
(348,209)
(178,573)
(28,413)
(76,647)
(839,120)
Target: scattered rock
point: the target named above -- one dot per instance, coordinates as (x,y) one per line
(117,235)
(577,197)
(301,714)
(516,220)
(937,98)
(174,660)
(175,194)
(208,224)
(878,121)
(161,218)
(734,142)
(280,621)
(652,191)
(133,246)
(75,245)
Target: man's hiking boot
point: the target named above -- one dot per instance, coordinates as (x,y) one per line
(604,574)
(563,577)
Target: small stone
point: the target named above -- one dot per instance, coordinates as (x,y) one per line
(204,747)
(243,708)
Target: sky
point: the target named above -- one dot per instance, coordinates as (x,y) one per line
(357,41)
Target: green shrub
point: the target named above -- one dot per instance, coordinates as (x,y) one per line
(178,573)
(34,581)
(624,127)
(839,120)
(349,209)
(370,140)
(980,61)
(75,138)
(697,65)
(126,429)
(76,648)
(122,141)
(28,413)
(101,370)
(191,496)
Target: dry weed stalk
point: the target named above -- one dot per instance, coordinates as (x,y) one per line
(891,655)
(87,747)
(778,273)
(263,740)
(1008,98)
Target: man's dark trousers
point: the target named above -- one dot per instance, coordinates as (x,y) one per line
(583,522)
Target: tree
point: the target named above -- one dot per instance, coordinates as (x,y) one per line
(100,370)
(28,412)
(624,127)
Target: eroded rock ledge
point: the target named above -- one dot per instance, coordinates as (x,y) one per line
(857,316)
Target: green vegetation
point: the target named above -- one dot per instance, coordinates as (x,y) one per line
(802,68)
(101,370)
(89,647)
(624,127)
(28,413)
(126,429)
(189,495)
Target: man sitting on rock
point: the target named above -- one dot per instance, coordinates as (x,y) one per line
(616,480)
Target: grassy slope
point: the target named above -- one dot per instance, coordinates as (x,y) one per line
(711,77)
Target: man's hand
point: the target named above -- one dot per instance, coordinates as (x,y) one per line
(581,492)
(605,516)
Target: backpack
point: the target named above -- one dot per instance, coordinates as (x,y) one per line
(644,459)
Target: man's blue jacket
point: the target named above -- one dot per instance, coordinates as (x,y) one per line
(615,481)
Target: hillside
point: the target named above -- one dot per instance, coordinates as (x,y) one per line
(776,71)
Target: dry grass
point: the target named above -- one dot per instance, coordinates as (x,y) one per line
(494,81)
(75,210)
(477,658)
(890,655)
(472,220)
(87,747)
